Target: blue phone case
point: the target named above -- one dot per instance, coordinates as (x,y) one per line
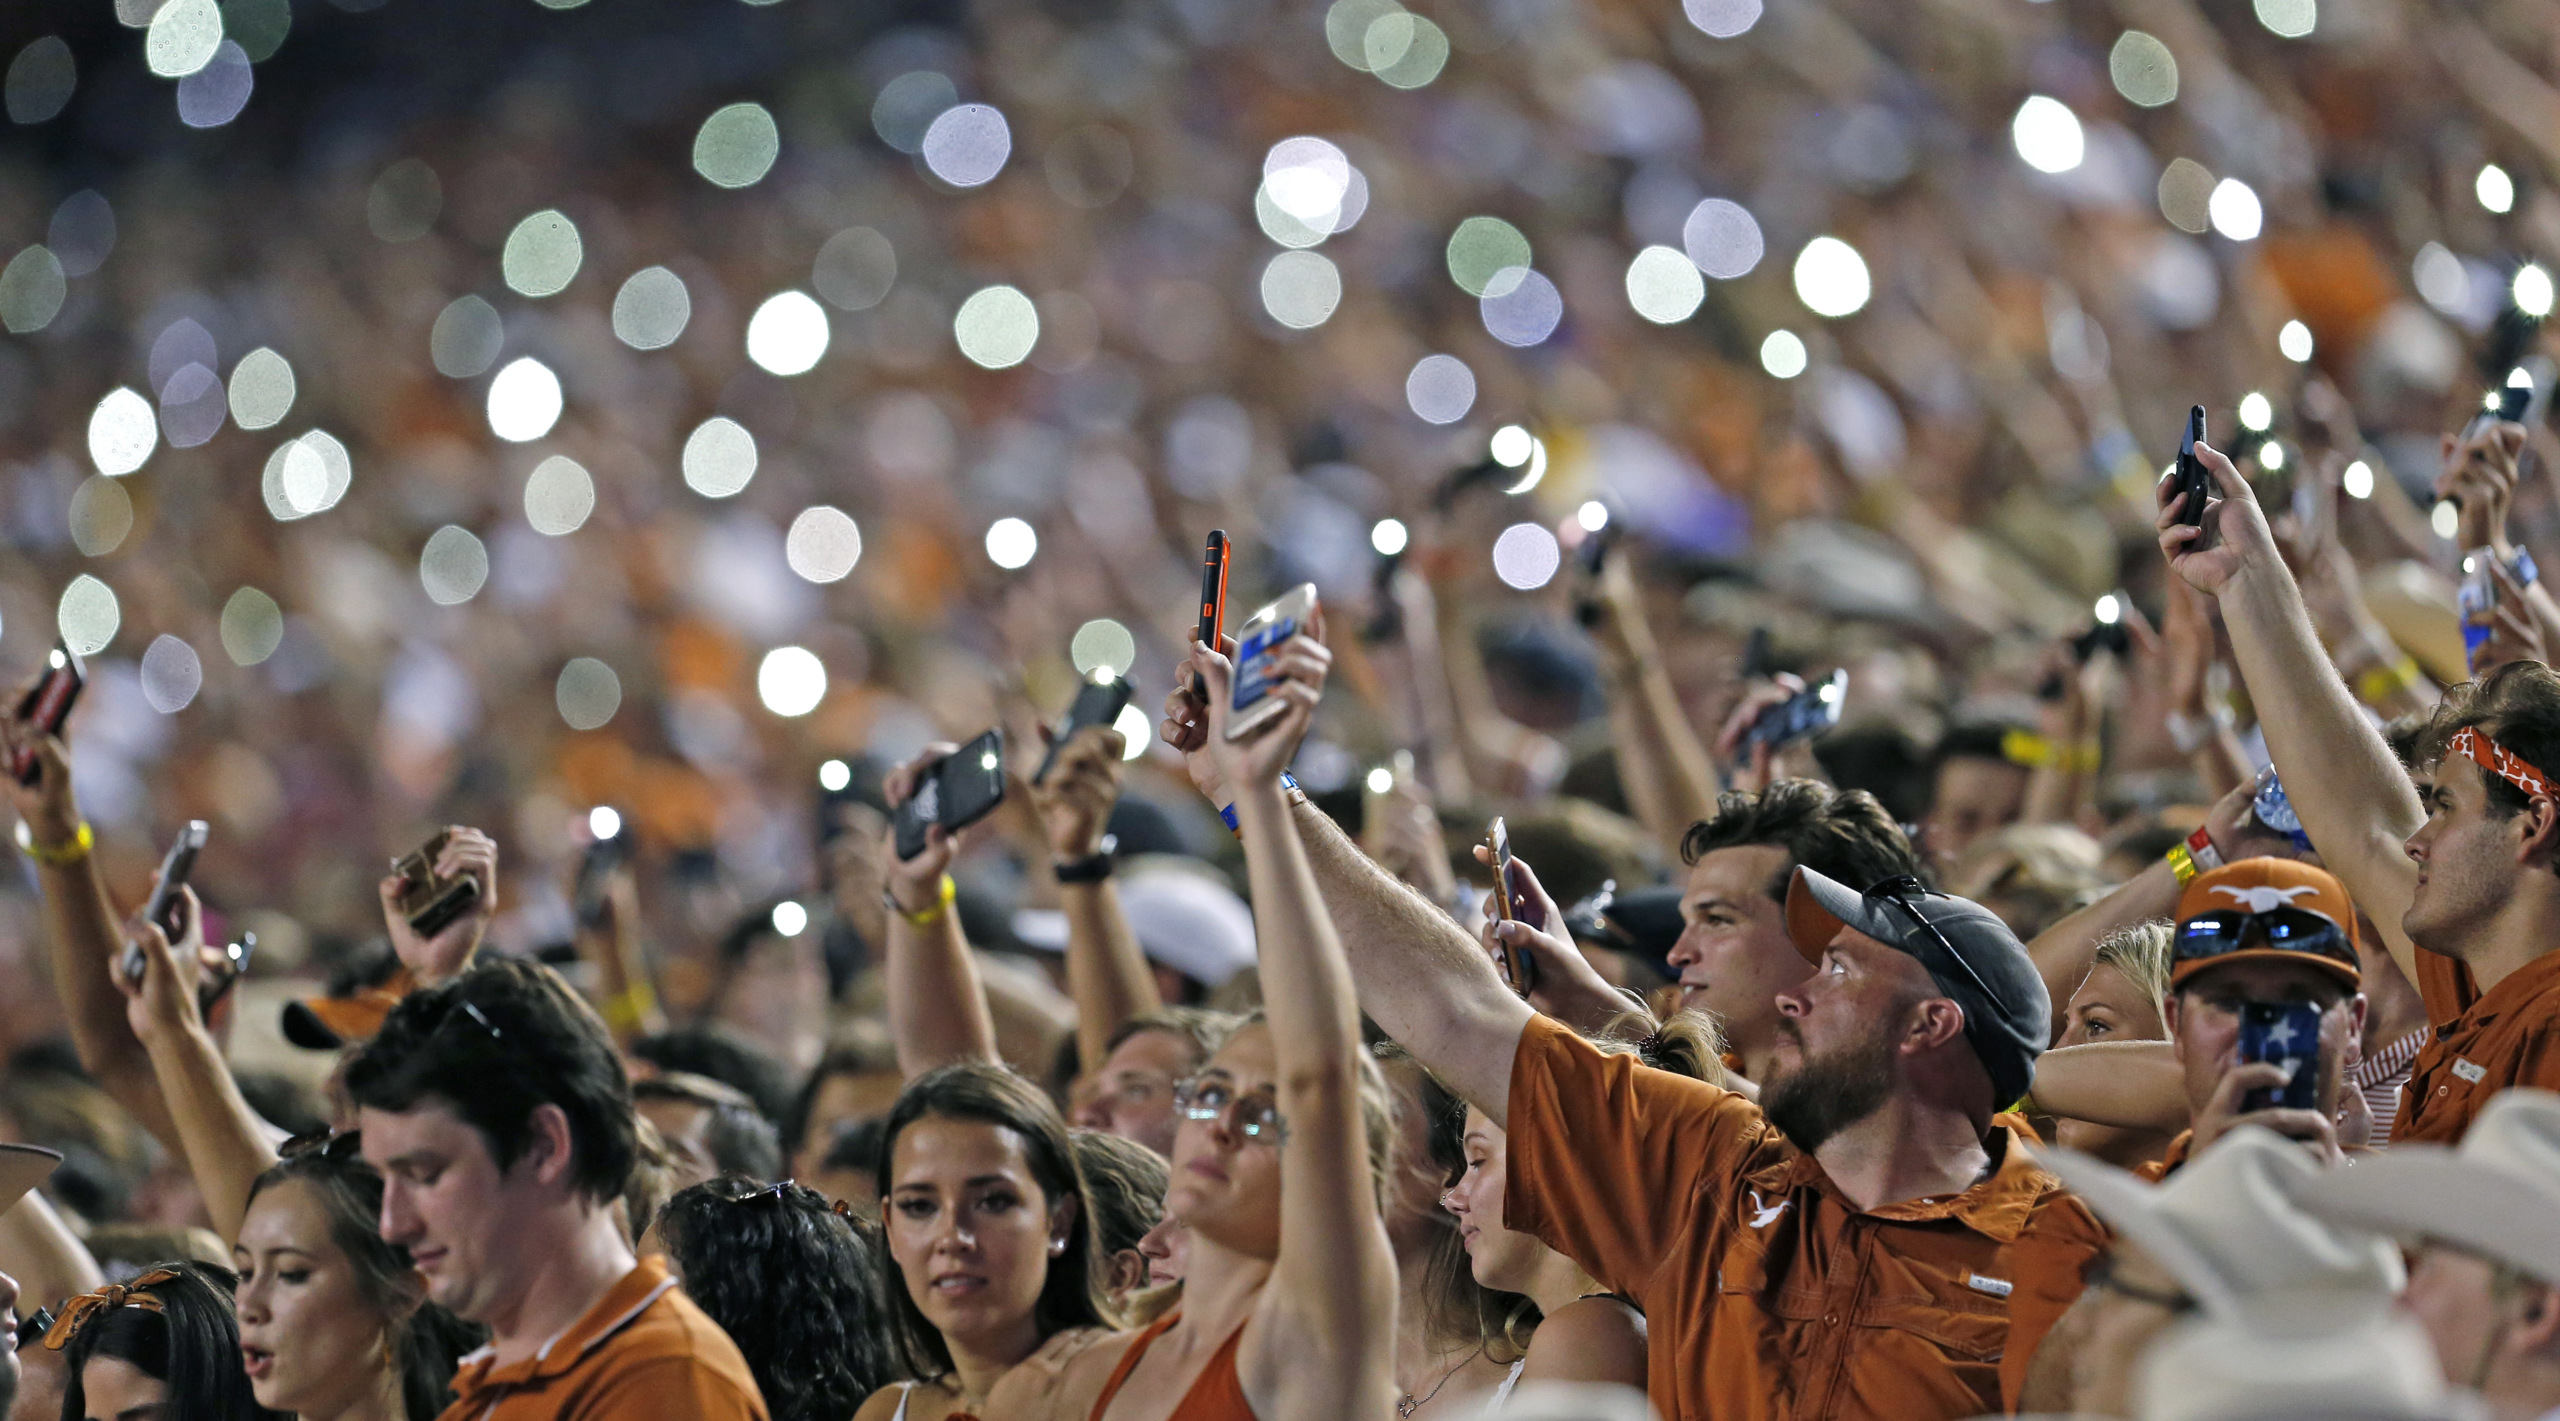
(2289,1036)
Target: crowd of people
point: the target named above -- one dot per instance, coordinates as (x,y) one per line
(1873,901)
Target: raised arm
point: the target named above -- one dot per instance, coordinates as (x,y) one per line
(1333,1291)
(937,1006)
(1419,976)
(227,1146)
(1107,973)
(1669,780)
(81,936)
(2354,799)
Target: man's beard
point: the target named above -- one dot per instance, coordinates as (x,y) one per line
(1825,1095)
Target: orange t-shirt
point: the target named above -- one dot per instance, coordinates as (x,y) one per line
(1769,1295)
(2484,1043)
(644,1352)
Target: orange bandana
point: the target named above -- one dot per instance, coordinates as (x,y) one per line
(2498,760)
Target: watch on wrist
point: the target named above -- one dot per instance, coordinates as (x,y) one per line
(1093,867)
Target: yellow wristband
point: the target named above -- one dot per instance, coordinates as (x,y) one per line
(2377,684)
(2026,748)
(945,896)
(2183,864)
(58,855)
(627,1009)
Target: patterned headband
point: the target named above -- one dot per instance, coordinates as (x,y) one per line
(76,1313)
(2498,760)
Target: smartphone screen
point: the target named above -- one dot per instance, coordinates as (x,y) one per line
(1256,646)
(2289,1036)
(955,792)
(1517,963)
(2193,480)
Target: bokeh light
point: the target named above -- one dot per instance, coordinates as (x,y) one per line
(651,309)
(1301,290)
(558,496)
(1783,354)
(1831,278)
(1481,248)
(1389,536)
(32,290)
(542,254)
(1521,307)
(524,400)
(1722,238)
(191,406)
(40,80)
(1664,286)
(252,627)
(2531,290)
(1137,731)
(2257,412)
(467,338)
(1440,389)
(262,389)
(736,146)
(997,327)
(404,201)
(1526,556)
(306,475)
(453,566)
(2294,342)
(967,144)
(834,776)
(788,333)
(88,615)
(2186,195)
(2047,135)
(855,269)
(587,694)
(101,515)
(2445,520)
(2143,69)
(123,430)
(2290,18)
(258,26)
(1011,543)
(790,919)
(1405,50)
(791,681)
(215,94)
(823,545)
(908,104)
(1103,644)
(2495,190)
(182,38)
(2357,481)
(82,232)
(719,457)
(2234,210)
(1722,19)
(171,674)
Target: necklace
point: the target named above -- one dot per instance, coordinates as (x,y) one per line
(1406,1405)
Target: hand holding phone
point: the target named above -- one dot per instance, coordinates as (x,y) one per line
(954,792)
(1213,599)
(1099,703)
(596,868)
(46,708)
(1802,716)
(163,909)
(2287,1035)
(428,901)
(1258,646)
(1518,965)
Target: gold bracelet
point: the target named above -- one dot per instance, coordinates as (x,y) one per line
(945,896)
(57,855)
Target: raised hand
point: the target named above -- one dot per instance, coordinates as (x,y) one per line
(2232,540)
(1754,769)
(47,806)
(162,1002)
(1568,988)
(466,853)
(1185,726)
(915,884)
(1297,674)
(1075,800)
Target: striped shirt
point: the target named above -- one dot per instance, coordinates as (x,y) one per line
(2380,1077)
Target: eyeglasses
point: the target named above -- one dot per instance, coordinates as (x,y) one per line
(2102,1274)
(329,1143)
(33,1327)
(1902,891)
(1255,1114)
(2227,930)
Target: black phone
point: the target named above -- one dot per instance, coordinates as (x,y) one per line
(1802,716)
(1593,556)
(955,792)
(1099,703)
(1213,597)
(2194,480)
(432,903)
(595,873)
(2288,1035)
(47,706)
(162,909)
(1517,963)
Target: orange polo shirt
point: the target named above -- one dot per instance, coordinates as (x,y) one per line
(644,1352)
(2484,1043)
(1770,1296)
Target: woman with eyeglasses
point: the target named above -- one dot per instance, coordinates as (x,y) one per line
(990,1238)
(793,1280)
(1289,1297)
(163,1346)
(332,1322)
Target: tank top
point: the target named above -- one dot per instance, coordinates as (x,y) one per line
(1217,1394)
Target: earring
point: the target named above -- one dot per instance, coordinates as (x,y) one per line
(1057,1248)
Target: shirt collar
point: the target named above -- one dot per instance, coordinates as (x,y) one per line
(2532,980)
(620,1306)
(1996,1206)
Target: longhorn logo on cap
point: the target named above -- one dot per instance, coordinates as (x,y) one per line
(2264,898)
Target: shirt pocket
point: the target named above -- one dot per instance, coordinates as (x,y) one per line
(1955,1308)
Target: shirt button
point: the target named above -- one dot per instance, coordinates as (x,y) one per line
(2444,1090)
(1831,1321)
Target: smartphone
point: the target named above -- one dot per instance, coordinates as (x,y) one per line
(955,792)
(595,873)
(47,706)
(1099,703)
(2289,1036)
(1517,963)
(1758,662)
(2193,479)
(1258,643)
(1802,716)
(162,909)
(1593,556)
(2103,633)
(235,966)
(1213,598)
(430,903)
(2476,598)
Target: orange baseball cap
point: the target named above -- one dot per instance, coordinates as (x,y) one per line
(2247,912)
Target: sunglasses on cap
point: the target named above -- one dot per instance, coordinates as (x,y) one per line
(333,1145)
(1904,891)
(2227,930)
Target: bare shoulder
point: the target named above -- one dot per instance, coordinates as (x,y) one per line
(1599,1338)
(1062,1380)
(883,1403)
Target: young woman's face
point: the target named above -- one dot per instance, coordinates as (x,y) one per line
(311,1341)
(972,1232)
(1226,1184)
(113,1389)
(1499,1257)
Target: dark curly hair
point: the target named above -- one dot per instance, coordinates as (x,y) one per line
(794,1283)
(190,1344)
(2517,705)
(424,1340)
(1842,834)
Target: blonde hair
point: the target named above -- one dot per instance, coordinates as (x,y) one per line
(2141,953)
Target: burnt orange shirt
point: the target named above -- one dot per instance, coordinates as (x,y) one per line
(644,1352)
(2484,1042)
(1769,1295)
